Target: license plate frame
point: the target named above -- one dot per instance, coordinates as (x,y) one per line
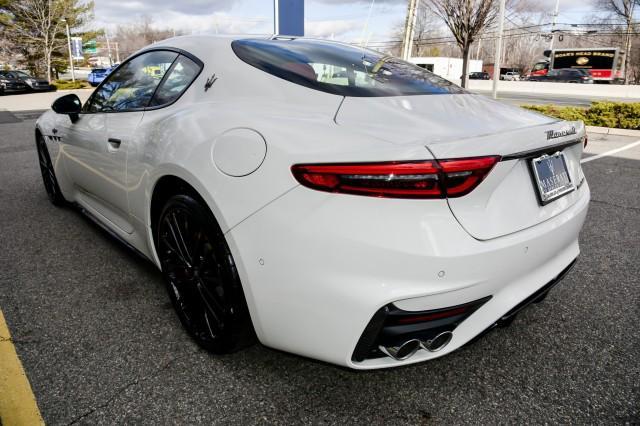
(551,182)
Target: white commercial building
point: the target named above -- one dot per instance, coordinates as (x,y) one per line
(449,68)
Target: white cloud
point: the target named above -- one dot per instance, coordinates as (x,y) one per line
(222,23)
(334,28)
(185,15)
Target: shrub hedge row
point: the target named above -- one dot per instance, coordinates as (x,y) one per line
(621,115)
(67,85)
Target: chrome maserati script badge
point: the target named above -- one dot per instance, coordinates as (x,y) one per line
(554,134)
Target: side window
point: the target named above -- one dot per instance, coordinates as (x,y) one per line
(132,85)
(181,74)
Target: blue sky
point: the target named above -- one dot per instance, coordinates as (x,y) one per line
(342,19)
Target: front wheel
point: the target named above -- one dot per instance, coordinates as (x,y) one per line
(201,276)
(48,174)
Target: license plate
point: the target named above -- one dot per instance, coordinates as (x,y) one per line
(551,177)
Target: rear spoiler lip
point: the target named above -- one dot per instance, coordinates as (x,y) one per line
(541,151)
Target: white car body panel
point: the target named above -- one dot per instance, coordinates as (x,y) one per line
(399,261)
(316,266)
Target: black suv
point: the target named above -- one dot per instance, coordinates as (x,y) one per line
(34,83)
(479,76)
(565,76)
(10,83)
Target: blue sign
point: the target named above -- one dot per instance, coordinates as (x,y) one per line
(76,48)
(289,17)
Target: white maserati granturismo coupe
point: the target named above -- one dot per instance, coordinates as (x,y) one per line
(326,200)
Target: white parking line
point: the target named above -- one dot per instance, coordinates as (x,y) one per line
(613,151)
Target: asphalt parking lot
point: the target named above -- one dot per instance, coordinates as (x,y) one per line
(100,343)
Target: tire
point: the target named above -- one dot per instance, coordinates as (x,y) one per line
(201,276)
(48,174)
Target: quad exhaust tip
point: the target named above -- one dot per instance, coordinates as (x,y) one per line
(438,342)
(402,352)
(410,347)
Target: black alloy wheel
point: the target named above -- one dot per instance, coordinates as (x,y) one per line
(48,173)
(201,276)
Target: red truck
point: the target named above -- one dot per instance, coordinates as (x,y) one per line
(603,63)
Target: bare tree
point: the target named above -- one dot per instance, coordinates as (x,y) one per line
(623,10)
(38,27)
(424,28)
(135,36)
(427,27)
(466,19)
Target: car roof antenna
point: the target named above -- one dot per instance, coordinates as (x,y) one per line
(365,29)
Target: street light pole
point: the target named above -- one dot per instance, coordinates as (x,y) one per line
(73,74)
(496,60)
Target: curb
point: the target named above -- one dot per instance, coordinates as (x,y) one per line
(612,131)
(18,405)
(72,90)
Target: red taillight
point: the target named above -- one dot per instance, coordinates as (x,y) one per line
(414,179)
(462,176)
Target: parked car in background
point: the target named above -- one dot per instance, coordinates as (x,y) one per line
(96,75)
(11,83)
(511,76)
(38,84)
(479,76)
(565,76)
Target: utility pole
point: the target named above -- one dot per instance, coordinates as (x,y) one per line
(73,74)
(407,43)
(627,44)
(553,24)
(106,35)
(496,60)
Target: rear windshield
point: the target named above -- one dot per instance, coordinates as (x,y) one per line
(339,68)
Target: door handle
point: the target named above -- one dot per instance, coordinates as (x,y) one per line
(114,143)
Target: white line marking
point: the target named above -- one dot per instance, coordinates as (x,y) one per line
(607,153)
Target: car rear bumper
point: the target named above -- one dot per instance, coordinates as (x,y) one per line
(40,88)
(316,267)
(15,88)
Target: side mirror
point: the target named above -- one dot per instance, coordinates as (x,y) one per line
(68,104)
